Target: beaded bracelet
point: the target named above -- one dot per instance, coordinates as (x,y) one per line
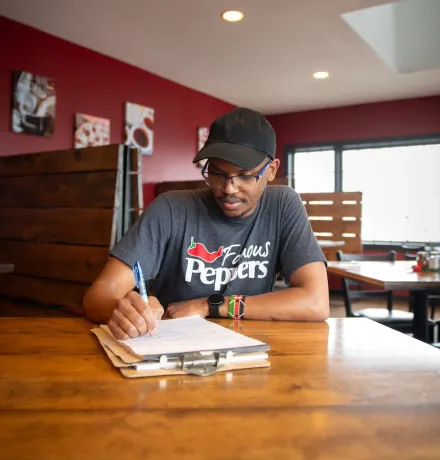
(236,306)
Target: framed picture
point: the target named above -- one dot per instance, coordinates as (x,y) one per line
(33,104)
(139,127)
(91,131)
(202,136)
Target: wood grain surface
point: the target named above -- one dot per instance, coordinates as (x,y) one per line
(59,214)
(86,226)
(6,268)
(80,264)
(65,294)
(85,190)
(346,388)
(102,158)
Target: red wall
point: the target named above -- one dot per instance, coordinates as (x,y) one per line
(91,83)
(360,122)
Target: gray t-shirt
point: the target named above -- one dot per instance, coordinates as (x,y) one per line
(184,240)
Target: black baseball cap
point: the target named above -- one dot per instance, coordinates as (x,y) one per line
(242,137)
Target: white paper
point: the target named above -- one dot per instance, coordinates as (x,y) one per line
(190,334)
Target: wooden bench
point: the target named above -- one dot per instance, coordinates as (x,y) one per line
(61,212)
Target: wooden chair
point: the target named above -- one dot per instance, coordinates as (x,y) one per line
(396,319)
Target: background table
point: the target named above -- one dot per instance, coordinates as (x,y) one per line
(342,389)
(394,276)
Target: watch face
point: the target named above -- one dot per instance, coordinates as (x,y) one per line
(216,299)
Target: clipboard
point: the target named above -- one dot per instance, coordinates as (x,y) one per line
(201,363)
(192,334)
(155,357)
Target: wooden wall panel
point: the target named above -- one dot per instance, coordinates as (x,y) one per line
(336,206)
(55,261)
(57,225)
(85,190)
(61,161)
(336,226)
(338,210)
(337,197)
(44,291)
(59,212)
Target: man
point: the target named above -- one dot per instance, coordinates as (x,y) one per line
(216,252)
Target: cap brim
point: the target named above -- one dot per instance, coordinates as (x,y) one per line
(239,155)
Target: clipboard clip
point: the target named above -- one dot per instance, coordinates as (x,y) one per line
(202,364)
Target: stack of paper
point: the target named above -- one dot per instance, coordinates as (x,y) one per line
(176,342)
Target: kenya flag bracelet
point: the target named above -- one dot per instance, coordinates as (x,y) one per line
(236,306)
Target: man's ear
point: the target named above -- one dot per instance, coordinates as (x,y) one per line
(273,168)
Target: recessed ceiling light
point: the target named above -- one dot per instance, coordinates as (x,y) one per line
(232,16)
(321,75)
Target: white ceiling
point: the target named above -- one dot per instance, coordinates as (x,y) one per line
(264,62)
(404,34)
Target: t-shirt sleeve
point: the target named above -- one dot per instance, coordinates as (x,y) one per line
(147,239)
(299,245)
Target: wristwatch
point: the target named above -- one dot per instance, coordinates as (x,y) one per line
(215,301)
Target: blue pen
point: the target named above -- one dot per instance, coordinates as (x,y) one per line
(140,284)
(140,281)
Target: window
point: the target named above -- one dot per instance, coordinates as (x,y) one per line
(400,185)
(314,171)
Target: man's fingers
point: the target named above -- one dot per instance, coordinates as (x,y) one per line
(156,307)
(117,331)
(151,321)
(127,326)
(152,312)
(144,309)
(157,310)
(136,317)
(131,313)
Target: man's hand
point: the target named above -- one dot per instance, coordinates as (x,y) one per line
(133,317)
(187,308)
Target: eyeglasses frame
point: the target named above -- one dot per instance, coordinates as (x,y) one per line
(226,178)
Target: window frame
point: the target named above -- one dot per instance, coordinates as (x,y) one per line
(289,151)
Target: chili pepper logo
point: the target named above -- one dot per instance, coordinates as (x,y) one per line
(199,250)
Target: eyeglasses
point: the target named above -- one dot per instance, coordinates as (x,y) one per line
(240,182)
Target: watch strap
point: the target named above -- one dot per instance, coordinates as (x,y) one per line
(214,310)
(236,306)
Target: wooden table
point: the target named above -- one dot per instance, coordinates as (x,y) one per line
(393,276)
(6,268)
(342,389)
